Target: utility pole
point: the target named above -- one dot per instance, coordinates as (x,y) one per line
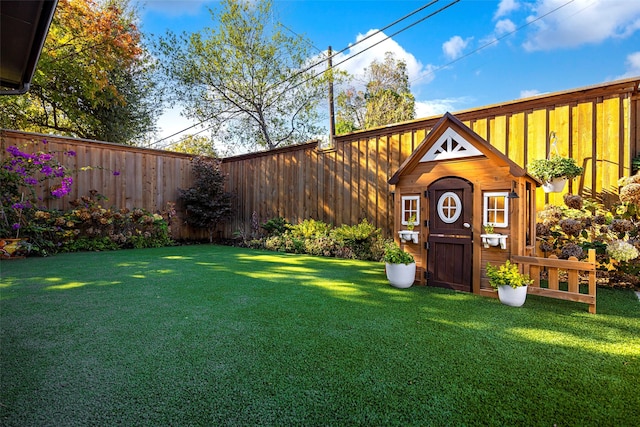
(332,120)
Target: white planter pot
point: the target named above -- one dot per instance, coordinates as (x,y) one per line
(401,275)
(513,297)
(556,185)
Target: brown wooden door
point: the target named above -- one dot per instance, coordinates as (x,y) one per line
(449,253)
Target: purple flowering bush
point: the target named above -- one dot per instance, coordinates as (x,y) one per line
(25,179)
(28,178)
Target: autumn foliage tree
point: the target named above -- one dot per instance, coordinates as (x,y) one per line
(93,79)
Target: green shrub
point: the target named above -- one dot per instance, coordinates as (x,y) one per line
(293,245)
(393,254)
(206,203)
(91,227)
(321,246)
(89,244)
(276,226)
(309,228)
(507,274)
(363,240)
(313,237)
(274,243)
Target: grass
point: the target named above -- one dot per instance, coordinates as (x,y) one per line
(210,335)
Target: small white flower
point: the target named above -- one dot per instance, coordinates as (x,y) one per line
(622,251)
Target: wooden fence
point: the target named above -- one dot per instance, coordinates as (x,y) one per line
(143,178)
(553,266)
(598,126)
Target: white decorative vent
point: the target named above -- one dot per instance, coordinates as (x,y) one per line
(450,146)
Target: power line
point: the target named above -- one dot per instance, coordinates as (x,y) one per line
(399,31)
(298,35)
(304,70)
(384,39)
(369,47)
(495,40)
(193,134)
(179,132)
(324,59)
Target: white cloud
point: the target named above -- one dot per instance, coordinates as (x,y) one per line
(437,107)
(528,93)
(581,22)
(455,46)
(632,65)
(505,7)
(359,61)
(504,26)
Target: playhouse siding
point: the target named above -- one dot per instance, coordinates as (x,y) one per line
(485,176)
(455,160)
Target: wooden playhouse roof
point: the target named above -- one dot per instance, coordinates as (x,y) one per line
(448,120)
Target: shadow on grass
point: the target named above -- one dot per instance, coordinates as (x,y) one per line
(210,335)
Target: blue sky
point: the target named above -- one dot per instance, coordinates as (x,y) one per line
(473,53)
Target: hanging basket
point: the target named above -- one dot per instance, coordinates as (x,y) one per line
(556,185)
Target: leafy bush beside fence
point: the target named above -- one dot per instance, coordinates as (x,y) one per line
(27,179)
(91,227)
(361,241)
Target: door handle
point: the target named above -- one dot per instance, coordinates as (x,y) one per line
(466,225)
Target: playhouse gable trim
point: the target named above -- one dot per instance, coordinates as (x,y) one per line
(450,145)
(450,139)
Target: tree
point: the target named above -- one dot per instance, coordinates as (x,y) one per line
(194,144)
(351,111)
(94,79)
(246,77)
(206,202)
(387,98)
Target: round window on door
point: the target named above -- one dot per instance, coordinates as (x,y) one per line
(449,207)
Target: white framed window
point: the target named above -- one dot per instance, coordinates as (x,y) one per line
(449,207)
(496,209)
(410,207)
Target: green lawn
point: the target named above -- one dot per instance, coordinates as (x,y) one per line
(211,335)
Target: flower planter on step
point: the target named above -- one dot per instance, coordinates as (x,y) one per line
(10,249)
(401,275)
(514,297)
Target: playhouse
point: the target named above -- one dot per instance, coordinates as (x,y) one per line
(449,194)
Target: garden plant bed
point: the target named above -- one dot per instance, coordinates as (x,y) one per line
(216,335)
